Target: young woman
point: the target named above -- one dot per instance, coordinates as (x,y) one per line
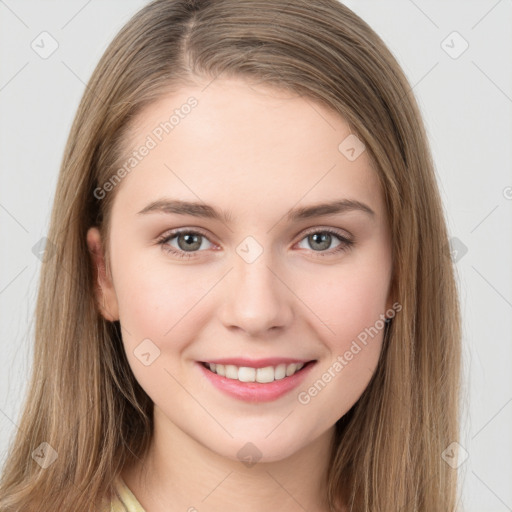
(251,303)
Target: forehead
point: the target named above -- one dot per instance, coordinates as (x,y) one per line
(230,140)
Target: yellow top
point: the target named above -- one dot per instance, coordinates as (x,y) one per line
(125,501)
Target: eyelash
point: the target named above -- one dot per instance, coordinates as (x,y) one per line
(345,244)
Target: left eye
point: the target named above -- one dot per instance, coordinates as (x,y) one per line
(189,242)
(322,239)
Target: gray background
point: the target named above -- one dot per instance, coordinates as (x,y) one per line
(466,100)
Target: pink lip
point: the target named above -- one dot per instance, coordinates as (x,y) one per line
(257,363)
(256,391)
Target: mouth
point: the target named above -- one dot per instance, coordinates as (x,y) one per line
(260,374)
(256,385)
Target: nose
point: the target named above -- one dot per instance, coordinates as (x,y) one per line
(257,298)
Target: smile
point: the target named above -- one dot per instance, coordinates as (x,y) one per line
(251,384)
(248,374)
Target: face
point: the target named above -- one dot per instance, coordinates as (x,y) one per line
(261,281)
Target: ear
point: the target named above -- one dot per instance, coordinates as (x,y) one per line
(105,295)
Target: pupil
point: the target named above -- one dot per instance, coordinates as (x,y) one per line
(324,238)
(190,240)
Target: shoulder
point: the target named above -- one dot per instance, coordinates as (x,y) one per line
(123,499)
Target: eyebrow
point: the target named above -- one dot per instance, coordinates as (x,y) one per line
(175,206)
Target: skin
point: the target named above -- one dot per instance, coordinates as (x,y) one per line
(258,152)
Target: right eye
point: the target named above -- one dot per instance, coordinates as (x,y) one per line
(186,238)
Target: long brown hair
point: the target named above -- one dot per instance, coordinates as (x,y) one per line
(84,405)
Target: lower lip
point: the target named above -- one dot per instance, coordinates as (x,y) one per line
(257,391)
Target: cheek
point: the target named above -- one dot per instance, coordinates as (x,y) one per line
(159,314)
(352,312)
(349,301)
(156,304)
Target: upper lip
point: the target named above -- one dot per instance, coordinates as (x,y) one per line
(257,363)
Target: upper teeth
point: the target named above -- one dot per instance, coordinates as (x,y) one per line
(263,375)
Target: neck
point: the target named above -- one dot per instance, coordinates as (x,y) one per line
(179,474)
